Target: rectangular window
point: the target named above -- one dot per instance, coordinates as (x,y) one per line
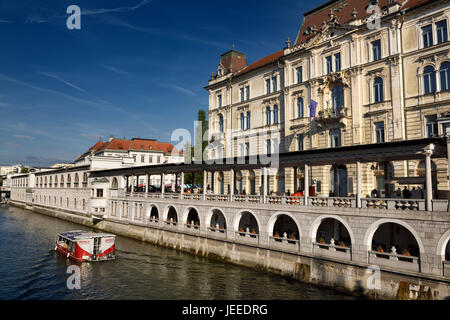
(329,64)
(247,92)
(134,158)
(379,132)
(142,159)
(337,61)
(299,75)
(99,193)
(427,36)
(150,159)
(242,94)
(269,146)
(335,136)
(432,126)
(158,159)
(247,149)
(248,120)
(268,86)
(300,142)
(376,50)
(274,84)
(441,30)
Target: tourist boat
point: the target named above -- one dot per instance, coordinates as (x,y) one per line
(86,246)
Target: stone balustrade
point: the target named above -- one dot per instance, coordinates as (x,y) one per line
(394,260)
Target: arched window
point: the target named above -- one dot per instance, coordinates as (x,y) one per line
(337,96)
(268,118)
(378,90)
(242,121)
(220,123)
(429,80)
(275,114)
(300,108)
(444,73)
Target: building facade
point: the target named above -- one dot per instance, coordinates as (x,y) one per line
(348,79)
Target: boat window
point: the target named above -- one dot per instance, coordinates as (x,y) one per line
(71,246)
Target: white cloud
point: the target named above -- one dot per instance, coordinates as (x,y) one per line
(12,144)
(55,76)
(119,9)
(116,70)
(21,136)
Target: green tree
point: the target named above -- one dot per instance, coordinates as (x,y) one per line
(25,170)
(198,149)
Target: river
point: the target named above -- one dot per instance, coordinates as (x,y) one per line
(31,269)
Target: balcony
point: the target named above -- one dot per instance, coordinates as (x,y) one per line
(394,261)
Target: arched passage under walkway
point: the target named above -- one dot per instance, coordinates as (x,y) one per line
(218,220)
(193,219)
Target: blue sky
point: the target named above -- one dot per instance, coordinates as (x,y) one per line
(135,69)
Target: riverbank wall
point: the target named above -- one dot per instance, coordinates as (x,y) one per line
(343,276)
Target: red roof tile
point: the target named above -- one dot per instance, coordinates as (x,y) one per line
(137,144)
(262,62)
(97,146)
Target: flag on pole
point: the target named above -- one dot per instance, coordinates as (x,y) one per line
(312,109)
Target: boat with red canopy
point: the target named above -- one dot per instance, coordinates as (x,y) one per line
(86,246)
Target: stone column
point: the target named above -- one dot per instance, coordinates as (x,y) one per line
(205,182)
(162,185)
(264,172)
(358,184)
(182,185)
(232,182)
(306,192)
(147,185)
(429,182)
(295,180)
(132,185)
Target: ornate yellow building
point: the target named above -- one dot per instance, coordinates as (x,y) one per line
(359,72)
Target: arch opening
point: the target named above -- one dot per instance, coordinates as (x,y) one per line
(218,221)
(154,214)
(332,231)
(248,224)
(285,227)
(172,216)
(394,238)
(193,219)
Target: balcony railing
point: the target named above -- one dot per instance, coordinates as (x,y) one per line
(284,243)
(393,260)
(332,250)
(446,268)
(395,204)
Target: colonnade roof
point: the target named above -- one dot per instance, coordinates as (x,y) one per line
(378,152)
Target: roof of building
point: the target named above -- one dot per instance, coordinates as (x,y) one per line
(137,144)
(344,11)
(271,58)
(233,61)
